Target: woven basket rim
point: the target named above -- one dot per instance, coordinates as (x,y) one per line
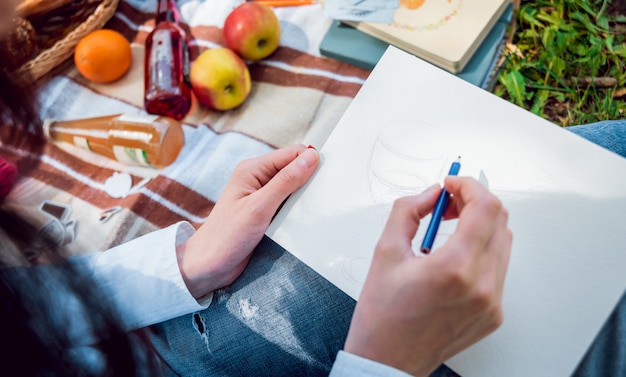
(48,59)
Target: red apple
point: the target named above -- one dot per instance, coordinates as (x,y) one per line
(220,80)
(252,30)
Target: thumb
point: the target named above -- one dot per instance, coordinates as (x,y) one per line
(290,178)
(405,217)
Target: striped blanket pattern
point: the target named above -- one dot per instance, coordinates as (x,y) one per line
(297,97)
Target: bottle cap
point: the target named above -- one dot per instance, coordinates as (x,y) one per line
(47,123)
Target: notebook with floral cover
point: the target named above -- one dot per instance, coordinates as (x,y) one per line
(443,32)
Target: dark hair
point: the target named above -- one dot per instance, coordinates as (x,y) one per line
(39,305)
(18,105)
(20,125)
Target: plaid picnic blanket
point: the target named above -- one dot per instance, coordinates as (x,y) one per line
(297,96)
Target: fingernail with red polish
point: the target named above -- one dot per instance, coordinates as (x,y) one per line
(311,147)
(308,158)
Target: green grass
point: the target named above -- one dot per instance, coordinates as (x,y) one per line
(559,46)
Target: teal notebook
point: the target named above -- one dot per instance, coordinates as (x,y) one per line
(347,44)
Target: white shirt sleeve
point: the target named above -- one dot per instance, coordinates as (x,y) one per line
(144,280)
(349,365)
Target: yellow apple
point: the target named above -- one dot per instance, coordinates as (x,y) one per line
(220,79)
(252,30)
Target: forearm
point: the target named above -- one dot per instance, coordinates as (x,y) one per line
(143,278)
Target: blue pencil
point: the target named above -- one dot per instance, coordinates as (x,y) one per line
(440,209)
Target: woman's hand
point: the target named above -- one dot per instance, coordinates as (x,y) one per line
(415,312)
(220,250)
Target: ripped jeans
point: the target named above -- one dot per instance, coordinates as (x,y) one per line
(281,318)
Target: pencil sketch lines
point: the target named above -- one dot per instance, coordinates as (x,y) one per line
(404,160)
(354,270)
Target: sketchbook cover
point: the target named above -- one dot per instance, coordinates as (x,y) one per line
(444,32)
(345,43)
(566,199)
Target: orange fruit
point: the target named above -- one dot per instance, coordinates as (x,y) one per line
(103,56)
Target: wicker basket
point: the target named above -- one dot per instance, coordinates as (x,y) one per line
(48,59)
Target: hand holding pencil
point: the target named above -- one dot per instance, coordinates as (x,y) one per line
(417,311)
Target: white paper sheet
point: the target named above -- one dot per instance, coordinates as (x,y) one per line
(566,198)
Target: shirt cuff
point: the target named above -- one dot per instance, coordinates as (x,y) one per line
(348,364)
(144,280)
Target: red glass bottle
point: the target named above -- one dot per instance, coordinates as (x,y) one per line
(166,67)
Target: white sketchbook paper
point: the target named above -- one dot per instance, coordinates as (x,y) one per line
(566,198)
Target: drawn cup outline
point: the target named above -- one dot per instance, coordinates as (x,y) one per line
(405,160)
